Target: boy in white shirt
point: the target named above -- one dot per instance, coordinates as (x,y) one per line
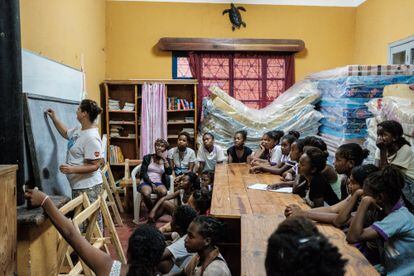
(209,154)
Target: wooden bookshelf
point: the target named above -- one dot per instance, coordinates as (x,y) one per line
(131,91)
(186,93)
(125,119)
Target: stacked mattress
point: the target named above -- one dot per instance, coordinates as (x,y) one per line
(293,110)
(344,94)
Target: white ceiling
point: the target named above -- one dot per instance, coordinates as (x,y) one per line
(329,3)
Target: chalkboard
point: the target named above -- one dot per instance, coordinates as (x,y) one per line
(43,76)
(46,146)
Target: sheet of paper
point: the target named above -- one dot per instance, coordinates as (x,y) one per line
(287,190)
(258,186)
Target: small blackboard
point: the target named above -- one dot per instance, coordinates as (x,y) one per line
(47,147)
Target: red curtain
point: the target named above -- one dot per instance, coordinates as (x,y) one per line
(253,78)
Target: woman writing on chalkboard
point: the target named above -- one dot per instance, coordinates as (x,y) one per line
(84,151)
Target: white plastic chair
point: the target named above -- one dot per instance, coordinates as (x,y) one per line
(137,197)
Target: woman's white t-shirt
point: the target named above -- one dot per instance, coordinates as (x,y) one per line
(83,145)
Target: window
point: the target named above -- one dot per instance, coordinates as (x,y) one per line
(181,66)
(401,52)
(254,79)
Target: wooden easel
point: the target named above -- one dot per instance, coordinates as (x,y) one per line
(85,211)
(114,201)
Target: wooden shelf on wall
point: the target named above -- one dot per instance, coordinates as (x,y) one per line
(131,91)
(230,44)
(122,111)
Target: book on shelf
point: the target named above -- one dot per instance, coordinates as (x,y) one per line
(174,103)
(115,155)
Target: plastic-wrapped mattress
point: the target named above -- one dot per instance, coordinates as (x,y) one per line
(293,110)
(345,93)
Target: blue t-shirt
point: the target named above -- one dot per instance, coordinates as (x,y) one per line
(397,230)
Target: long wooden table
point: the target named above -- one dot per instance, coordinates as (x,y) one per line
(260,212)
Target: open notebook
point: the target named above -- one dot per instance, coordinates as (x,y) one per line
(263,187)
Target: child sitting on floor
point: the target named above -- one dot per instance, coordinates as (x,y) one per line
(176,256)
(383,190)
(395,150)
(200,200)
(239,152)
(285,161)
(185,185)
(207,180)
(298,248)
(348,156)
(203,235)
(334,214)
(209,154)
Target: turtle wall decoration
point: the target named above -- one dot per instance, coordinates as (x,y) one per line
(235,16)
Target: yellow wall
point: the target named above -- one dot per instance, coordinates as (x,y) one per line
(378,23)
(133,29)
(64,30)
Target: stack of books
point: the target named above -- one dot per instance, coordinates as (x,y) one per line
(114,131)
(174,103)
(115,155)
(189,119)
(114,105)
(129,107)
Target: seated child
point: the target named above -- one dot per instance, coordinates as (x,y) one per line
(239,152)
(207,180)
(200,200)
(318,191)
(209,154)
(334,214)
(298,248)
(154,169)
(383,190)
(182,158)
(394,149)
(263,154)
(285,161)
(175,256)
(145,245)
(186,184)
(347,156)
(203,235)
